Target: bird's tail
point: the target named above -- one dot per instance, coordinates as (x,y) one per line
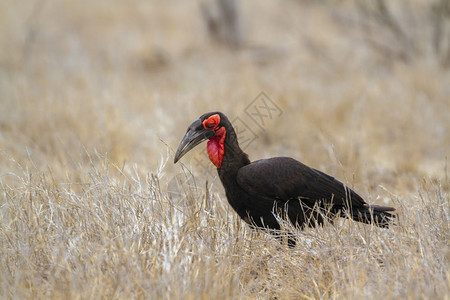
(374,214)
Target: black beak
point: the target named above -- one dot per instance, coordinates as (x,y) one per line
(194,136)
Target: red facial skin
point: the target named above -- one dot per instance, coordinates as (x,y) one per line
(215,146)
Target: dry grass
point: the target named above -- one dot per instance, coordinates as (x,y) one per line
(91,94)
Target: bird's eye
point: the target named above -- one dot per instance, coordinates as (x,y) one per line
(212,122)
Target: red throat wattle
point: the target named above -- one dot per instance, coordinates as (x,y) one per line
(216,147)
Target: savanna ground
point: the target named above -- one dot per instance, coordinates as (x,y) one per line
(95,96)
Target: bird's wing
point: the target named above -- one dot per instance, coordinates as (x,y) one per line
(284,178)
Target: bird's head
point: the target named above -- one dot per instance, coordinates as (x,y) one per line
(210,126)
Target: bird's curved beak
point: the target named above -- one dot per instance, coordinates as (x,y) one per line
(194,136)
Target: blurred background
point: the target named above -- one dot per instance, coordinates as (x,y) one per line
(362,88)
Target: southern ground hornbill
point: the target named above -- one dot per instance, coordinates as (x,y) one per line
(260,190)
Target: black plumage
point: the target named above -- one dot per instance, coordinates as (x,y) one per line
(259,190)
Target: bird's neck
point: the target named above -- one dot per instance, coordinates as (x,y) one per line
(233,156)
(233,160)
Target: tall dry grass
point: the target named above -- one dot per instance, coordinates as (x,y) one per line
(95,97)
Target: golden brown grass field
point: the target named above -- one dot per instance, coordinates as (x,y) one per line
(96,95)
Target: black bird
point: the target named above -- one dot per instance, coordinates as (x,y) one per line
(259,190)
